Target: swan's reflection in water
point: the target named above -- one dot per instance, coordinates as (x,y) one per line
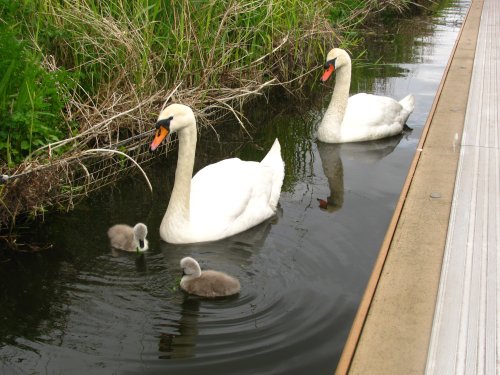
(331,155)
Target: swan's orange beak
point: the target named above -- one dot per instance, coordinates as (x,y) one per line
(160,135)
(322,203)
(328,72)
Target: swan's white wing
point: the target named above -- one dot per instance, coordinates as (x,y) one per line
(370,117)
(371,110)
(224,191)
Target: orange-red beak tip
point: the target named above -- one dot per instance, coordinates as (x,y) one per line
(160,135)
(322,203)
(328,72)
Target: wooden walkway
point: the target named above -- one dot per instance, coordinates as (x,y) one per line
(466,323)
(432,302)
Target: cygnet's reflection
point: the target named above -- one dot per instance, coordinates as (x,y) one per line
(139,259)
(331,155)
(182,345)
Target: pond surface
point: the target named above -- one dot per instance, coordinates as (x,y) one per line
(82,308)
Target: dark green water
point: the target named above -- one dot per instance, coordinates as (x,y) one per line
(82,308)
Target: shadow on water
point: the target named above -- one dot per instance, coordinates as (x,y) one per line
(80,307)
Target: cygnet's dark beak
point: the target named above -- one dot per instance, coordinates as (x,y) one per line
(141,244)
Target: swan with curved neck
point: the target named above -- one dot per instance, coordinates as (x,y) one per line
(361,117)
(223,198)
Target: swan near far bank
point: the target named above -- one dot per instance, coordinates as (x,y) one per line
(223,198)
(361,117)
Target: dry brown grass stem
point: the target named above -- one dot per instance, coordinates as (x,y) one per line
(97,150)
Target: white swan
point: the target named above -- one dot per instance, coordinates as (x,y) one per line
(222,199)
(124,237)
(362,117)
(206,283)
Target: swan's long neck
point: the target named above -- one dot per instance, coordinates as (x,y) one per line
(332,119)
(181,192)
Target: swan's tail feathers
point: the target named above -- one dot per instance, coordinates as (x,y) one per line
(408,103)
(274,160)
(407,129)
(273,157)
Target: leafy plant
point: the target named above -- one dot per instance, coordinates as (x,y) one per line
(31,97)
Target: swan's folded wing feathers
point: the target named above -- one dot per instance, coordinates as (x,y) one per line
(377,110)
(232,195)
(225,187)
(381,117)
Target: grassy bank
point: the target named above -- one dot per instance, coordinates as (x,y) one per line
(87,74)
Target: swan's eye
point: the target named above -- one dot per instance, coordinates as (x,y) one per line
(165,123)
(330,63)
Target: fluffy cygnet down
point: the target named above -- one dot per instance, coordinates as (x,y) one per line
(206,283)
(124,237)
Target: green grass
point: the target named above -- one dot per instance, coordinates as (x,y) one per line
(32,97)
